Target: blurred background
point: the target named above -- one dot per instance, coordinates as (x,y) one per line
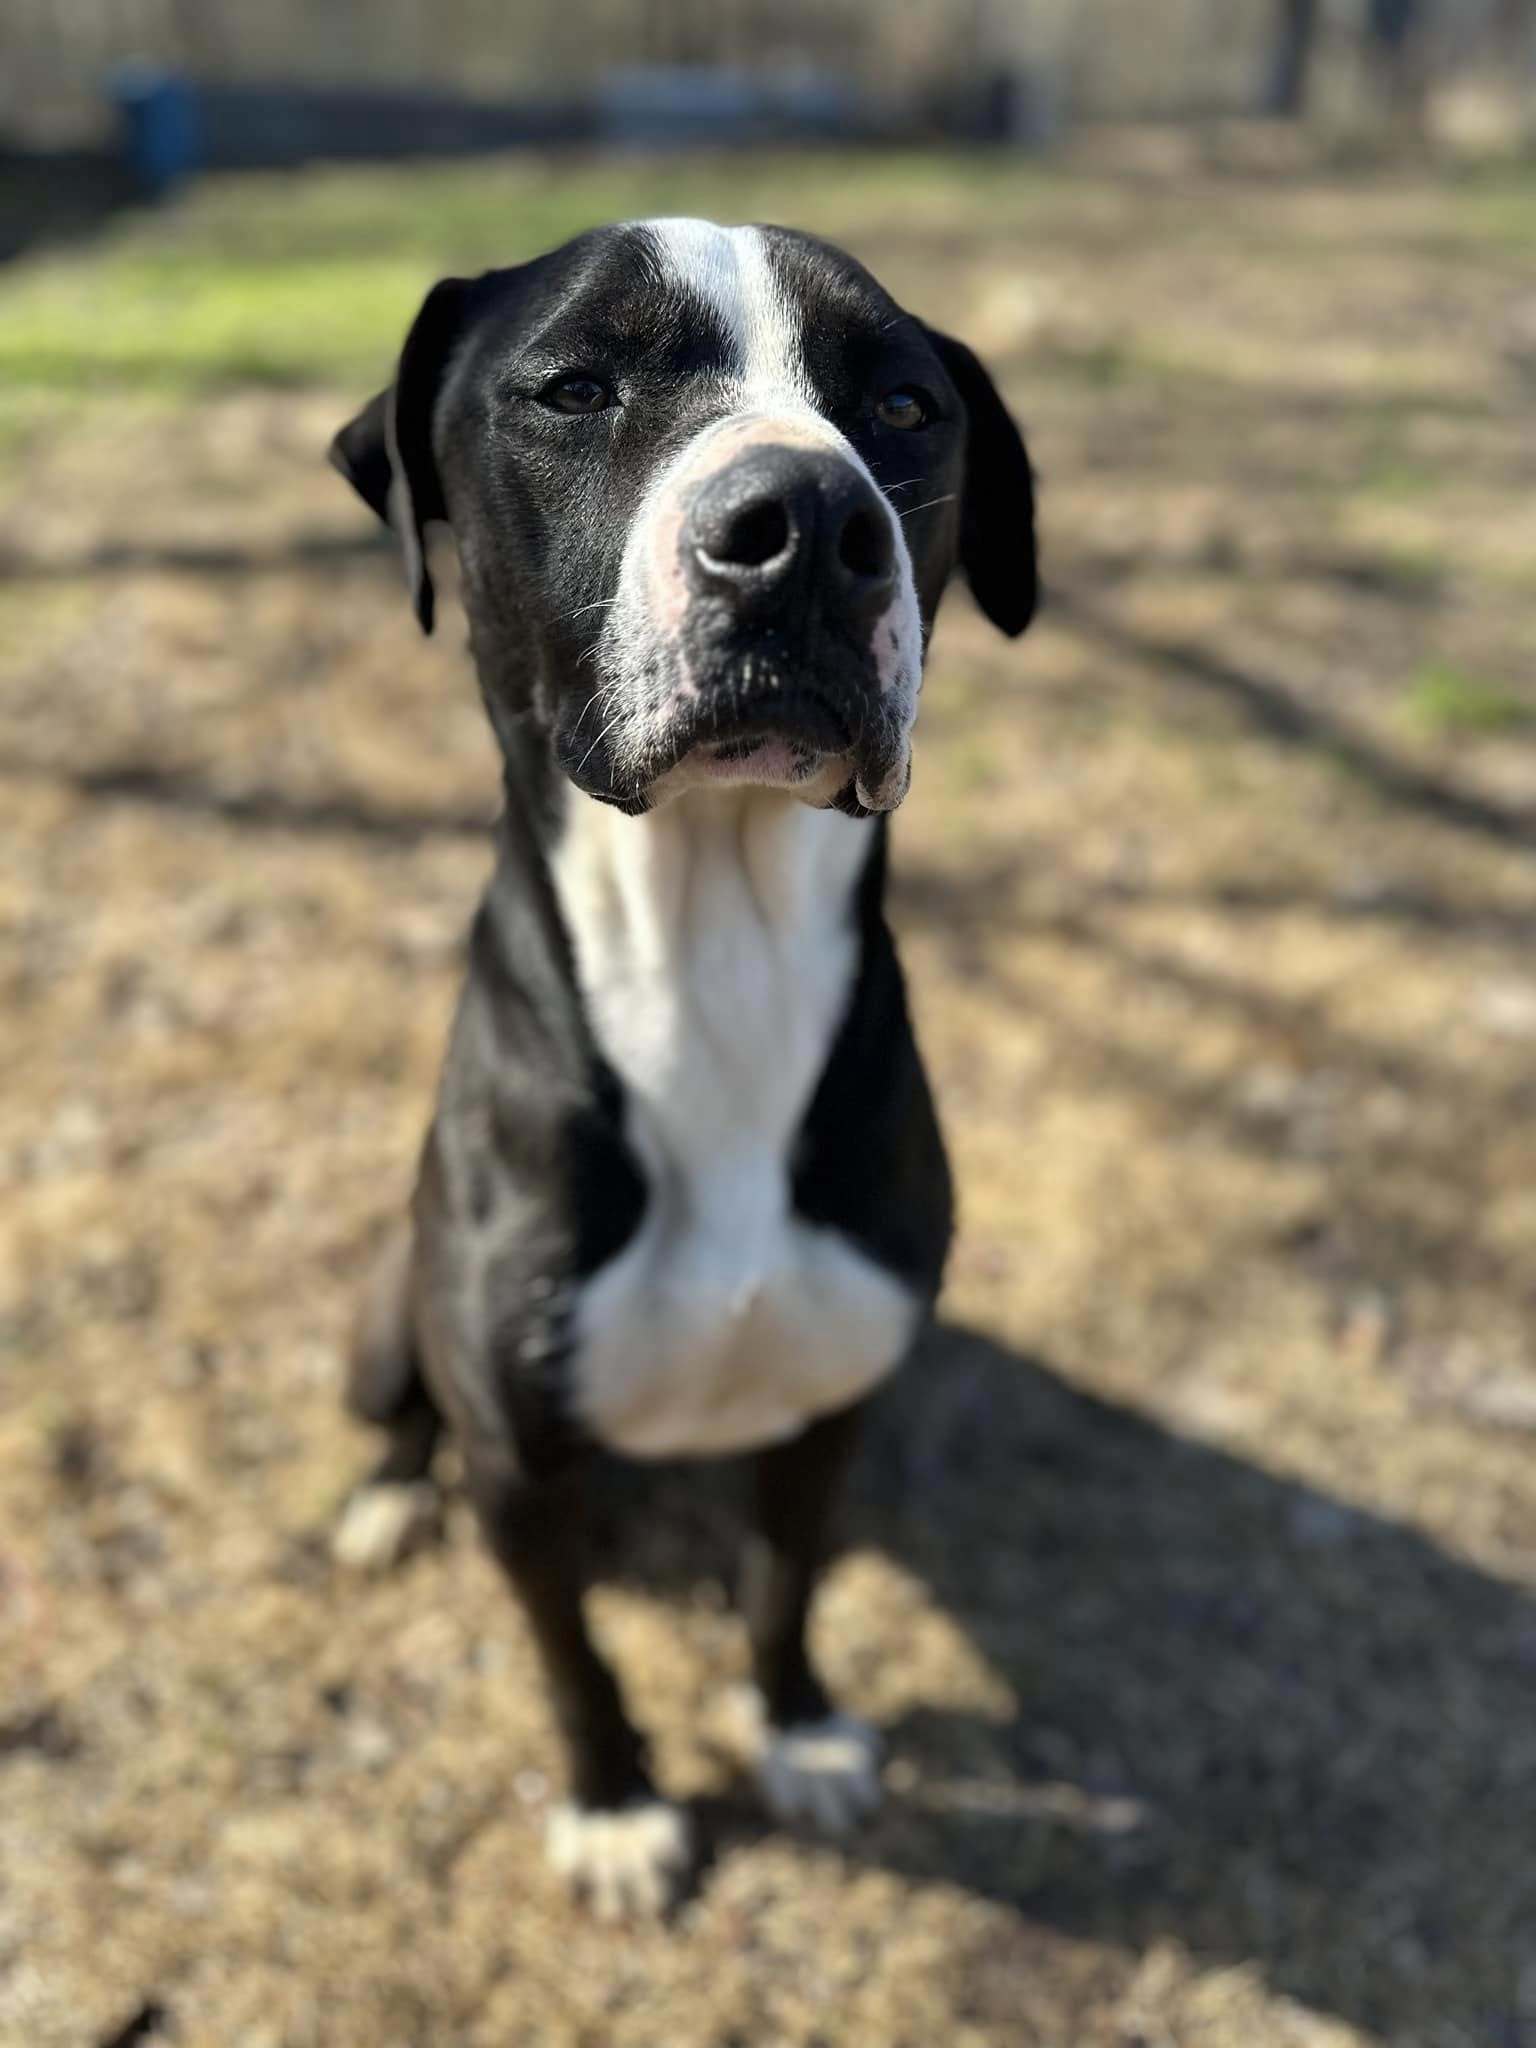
(373,77)
(1190,1573)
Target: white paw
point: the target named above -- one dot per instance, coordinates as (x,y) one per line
(626,1862)
(826,1772)
(380,1523)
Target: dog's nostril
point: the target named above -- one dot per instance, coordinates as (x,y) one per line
(753,535)
(864,545)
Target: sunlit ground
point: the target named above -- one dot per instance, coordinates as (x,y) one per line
(1191,1576)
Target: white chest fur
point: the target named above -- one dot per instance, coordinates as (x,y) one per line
(716,948)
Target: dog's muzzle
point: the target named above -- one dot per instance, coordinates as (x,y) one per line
(766,628)
(789,561)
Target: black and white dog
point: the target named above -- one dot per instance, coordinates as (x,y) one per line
(684,1194)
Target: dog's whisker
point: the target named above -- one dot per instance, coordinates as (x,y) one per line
(947,499)
(608,728)
(604,689)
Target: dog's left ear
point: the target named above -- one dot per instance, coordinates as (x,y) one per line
(386,452)
(997,506)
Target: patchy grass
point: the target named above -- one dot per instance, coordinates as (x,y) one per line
(1393,476)
(285,279)
(1449,701)
(1191,1572)
(1498,205)
(289,278)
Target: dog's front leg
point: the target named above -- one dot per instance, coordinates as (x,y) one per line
(811,1762)
(621,1846)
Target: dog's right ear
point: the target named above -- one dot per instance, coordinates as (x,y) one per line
(386,452)
(997,506)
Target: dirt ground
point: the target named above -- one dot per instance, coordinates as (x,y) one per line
(1190,1572)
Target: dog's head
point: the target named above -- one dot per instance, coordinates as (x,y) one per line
(707,486)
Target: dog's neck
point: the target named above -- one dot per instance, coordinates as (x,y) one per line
(715,943)
(790,865)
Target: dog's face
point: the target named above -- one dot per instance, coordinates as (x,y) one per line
(707,486)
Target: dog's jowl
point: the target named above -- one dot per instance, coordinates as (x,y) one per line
(684,1194)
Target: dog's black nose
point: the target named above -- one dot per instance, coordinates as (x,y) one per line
(782,524)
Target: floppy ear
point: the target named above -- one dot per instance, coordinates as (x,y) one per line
(997,506)
(386,452)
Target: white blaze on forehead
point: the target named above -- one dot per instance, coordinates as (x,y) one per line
(730,270)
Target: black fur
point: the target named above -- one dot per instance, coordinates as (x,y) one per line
(997,512)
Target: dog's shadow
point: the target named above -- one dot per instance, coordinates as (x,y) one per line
(1251,1719)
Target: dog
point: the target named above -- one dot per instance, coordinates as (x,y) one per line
(684,1194)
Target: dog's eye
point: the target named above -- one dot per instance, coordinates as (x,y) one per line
(576,394)
(904,409)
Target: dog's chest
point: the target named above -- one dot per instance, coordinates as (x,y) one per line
(716,948)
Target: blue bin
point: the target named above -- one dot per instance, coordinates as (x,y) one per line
(157,116)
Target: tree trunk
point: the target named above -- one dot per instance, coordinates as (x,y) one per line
(1394,28)
(1285,90)
(1514,26)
